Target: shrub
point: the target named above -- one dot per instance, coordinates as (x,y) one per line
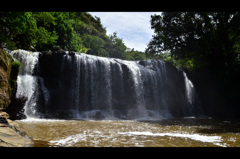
(14,73)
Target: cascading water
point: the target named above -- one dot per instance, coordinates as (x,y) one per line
(189,88)
(26,81)
(76,85)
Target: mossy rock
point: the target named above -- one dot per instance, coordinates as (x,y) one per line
(8,76)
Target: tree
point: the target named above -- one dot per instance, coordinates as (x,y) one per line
(17,29)
(211,39)
(134,55)
(115,47)
(46,34)
(95,45)
(24,30)
(207,42)
(73,31)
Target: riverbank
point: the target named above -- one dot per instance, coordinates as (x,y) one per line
(10,133)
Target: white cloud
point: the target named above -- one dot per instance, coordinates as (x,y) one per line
(133,27)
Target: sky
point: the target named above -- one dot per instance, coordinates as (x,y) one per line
(133,28)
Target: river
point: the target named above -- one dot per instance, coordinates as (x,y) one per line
(68,85)
(175,132)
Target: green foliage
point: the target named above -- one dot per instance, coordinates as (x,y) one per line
(184,63)
(14,74)
(95,45)
(133,55)
(16,65)
(73,31)
(202,40)
(83,49)
(116,47)
(206,46)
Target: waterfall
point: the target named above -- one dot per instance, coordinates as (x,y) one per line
(80,86)
(189,88)
(26,81)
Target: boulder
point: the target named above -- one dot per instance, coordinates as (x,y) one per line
(3,120)
(16,108)
(11,135)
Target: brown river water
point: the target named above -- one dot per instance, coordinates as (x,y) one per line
(183,132)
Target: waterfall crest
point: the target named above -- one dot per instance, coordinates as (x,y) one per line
(80,86)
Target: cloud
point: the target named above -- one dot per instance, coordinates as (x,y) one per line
(133,27)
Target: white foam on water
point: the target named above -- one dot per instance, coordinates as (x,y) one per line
(32,119)
(69,141)
(197,137)
(96,136)
(82,137)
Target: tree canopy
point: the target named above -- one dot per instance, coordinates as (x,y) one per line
(206,46)
(72,31)
(209,39)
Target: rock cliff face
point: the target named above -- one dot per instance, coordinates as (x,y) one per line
(9,69)
(5,72)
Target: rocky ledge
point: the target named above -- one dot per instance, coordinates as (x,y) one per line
(11,135)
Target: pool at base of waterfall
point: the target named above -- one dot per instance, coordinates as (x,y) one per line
(174,132)
(136,103)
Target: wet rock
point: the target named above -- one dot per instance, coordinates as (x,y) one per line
(98,115)
(4,114)
(16,108)
(3,120)
(71,53)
